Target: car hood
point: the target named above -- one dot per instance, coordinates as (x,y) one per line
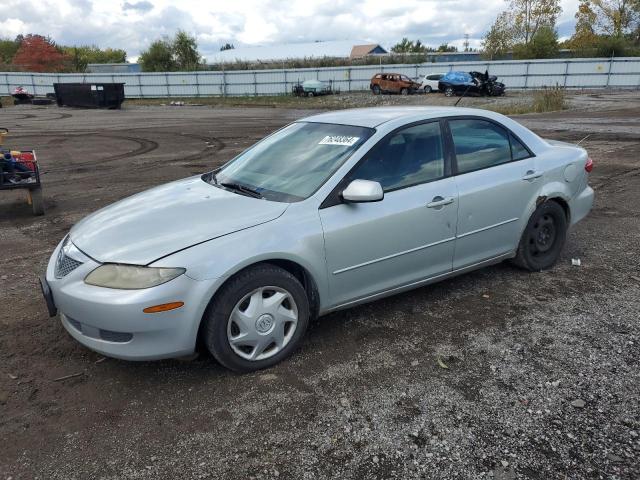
(168,218)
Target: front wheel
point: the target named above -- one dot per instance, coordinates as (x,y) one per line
(448,92)
(404,91)
(257,319)
(428,89)
(543,239)
(376,90)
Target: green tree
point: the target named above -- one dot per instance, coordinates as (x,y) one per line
(612,46)
(519,23)
(227,46)
(499,39)
(409,46)
(179,53)
(158,57)
(531,15)
(403,46)
(544,44)
(8,49)
(617,17)
(445,47)
(185,51)
(585,36)
(84,55)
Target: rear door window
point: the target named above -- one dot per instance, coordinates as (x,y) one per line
(479,144)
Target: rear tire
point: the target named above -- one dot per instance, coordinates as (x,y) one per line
(404,91)
(235,300)
(543,239)
(428,89)
(448,92)
(376,90)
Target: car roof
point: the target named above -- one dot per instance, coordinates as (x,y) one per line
(376,116)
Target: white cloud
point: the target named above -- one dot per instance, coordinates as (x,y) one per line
(133,24)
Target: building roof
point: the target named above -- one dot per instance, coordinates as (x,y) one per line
(363,50)
(114,68)
(340,49)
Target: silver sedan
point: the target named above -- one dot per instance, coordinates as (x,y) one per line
(331,211)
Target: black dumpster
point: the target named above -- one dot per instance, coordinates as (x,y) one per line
(89,95)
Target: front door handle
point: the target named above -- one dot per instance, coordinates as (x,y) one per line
(531,175)
(439,202)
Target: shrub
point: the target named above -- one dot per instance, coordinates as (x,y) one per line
(549,99)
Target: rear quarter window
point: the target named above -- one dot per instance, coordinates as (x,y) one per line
(518,150)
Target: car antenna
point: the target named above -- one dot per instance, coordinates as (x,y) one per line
(462,96)
(583,139)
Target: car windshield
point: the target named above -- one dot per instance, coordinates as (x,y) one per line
(293,163)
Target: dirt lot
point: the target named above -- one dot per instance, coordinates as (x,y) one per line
(542,377)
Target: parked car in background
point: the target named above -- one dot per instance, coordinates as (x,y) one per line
(331,211)
(312,88)
(393,83)
(470,83)
(429,83)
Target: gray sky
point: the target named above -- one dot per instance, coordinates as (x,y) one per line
(133,24)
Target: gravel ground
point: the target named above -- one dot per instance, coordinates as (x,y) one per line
(497,374)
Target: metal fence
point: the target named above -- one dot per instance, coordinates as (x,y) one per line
(517,74)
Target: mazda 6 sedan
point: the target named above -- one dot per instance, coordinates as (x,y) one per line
(331,211)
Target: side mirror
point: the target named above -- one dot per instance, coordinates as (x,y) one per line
(359,191)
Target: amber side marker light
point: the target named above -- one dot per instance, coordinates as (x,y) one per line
(165,307)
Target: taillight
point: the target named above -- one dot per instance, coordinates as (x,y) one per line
(589,165)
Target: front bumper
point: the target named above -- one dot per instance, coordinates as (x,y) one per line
(112,322)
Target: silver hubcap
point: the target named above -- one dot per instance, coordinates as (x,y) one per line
(262,323)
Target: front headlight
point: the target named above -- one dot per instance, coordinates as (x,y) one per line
(131,277)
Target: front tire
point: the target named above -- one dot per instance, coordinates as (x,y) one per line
(543,239)
(404,91)
(448,92)
(376,90)
(257,319)
(428,89)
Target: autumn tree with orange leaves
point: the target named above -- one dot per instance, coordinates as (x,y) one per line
(40,54)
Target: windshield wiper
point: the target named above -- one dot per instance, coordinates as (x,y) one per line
(242,189)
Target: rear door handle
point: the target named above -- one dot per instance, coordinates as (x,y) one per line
(531,175)
(439,202)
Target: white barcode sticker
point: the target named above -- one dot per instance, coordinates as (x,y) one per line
(339,140)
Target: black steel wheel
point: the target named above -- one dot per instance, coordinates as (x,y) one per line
(543,239)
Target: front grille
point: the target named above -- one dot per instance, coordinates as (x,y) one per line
(65,264)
